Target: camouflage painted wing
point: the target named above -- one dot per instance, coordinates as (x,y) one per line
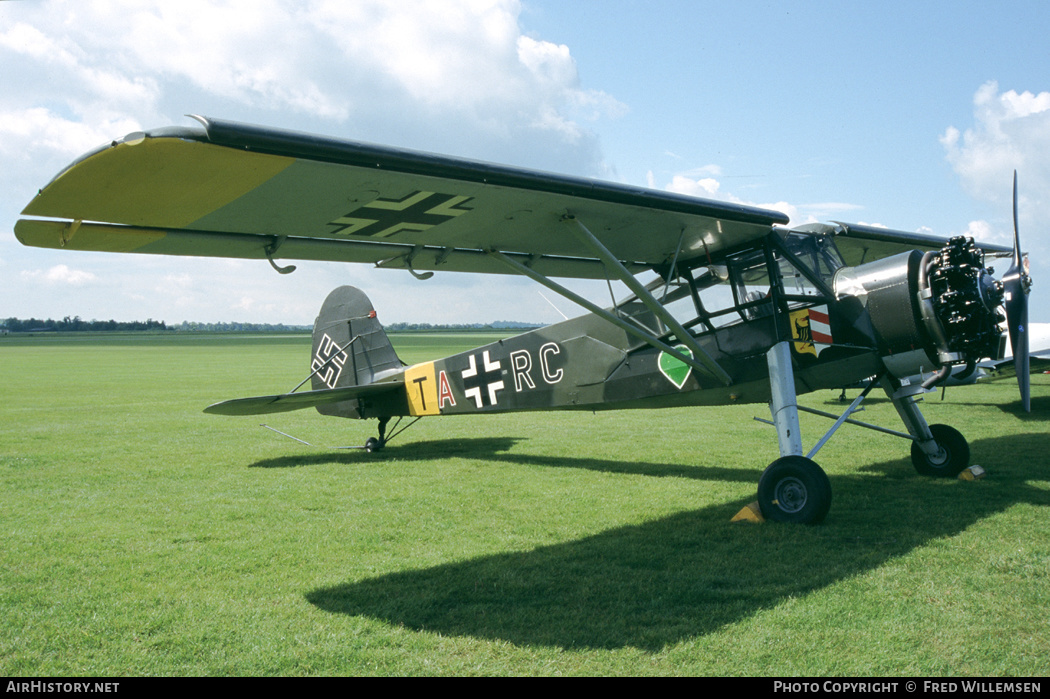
(859,243)
(230,190)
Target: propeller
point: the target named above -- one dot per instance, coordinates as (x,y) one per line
(1016,284)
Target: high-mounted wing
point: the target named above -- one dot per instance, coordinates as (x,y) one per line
(859,243)
(230,190)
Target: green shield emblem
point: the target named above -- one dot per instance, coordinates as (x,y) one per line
(676,371)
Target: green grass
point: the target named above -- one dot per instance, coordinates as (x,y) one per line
(142,537)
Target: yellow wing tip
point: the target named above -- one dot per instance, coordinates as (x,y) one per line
(75,235)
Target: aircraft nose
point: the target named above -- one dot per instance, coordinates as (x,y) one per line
(966,299)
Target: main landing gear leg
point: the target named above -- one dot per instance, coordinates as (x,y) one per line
(793,488)
(937,450)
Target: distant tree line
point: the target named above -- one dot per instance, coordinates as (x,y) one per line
(459,327)
(78,324)
(186,326)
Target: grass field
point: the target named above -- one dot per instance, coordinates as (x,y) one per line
(142,537)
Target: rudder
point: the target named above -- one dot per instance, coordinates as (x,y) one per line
(350,348)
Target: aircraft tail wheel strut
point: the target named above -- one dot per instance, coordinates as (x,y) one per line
(373,444)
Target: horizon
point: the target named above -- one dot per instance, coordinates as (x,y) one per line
(917,125)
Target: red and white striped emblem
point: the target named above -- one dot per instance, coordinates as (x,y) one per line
(820,326)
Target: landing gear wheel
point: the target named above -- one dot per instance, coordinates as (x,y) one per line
(794,489)
(954,455)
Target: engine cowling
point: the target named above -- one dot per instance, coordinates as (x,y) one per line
(929,312)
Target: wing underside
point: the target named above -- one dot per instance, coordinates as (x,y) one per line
(859,243)
(230,190)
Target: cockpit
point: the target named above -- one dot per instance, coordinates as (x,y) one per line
(739,287)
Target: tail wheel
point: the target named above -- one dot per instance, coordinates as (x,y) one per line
(952,457)
(794,489)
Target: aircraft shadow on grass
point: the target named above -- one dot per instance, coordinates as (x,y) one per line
(689,574)
(409,451)
(498,449)
(1040,407)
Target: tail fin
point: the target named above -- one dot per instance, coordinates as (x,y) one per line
(350,348)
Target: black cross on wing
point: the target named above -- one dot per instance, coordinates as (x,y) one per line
(418,211)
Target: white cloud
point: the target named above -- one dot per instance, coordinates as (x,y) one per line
(984,232)
(26,133)
(59,275)
(257,53)
(707,187)
(1011,131)
(93,90)
(452,76)
(548,63)
(711,188)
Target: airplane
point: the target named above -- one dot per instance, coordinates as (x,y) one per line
(727,304)
(1038,357)
(986,370)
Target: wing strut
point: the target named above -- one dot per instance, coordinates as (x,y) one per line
(630,328)
(639,290)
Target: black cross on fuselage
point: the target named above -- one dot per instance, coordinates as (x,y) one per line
(482,379)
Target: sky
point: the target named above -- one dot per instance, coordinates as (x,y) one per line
(908,115)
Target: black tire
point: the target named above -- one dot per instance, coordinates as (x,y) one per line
(373,445)
(794,489)
(954,458)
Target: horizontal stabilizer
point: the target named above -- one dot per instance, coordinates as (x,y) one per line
(262,405)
